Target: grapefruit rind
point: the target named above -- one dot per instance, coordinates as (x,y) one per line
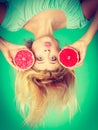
(24,59)
(68,57)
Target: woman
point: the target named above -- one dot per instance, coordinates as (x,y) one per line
(31,16)
(46,82)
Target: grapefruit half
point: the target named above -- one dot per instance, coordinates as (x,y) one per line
(68,57)
(24,59)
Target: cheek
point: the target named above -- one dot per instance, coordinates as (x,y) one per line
(37,51)
(57,50)
(35,45)
(35,48)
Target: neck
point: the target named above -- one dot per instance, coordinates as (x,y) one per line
(46,22)
(43,28)
(40,28)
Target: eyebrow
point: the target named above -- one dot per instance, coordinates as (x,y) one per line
(49,62)
(53,62)
(39,62)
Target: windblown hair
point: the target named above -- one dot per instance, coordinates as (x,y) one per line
(37,90)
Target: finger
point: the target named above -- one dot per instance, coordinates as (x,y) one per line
(82,56)
(22,46)
(17,47)
(10,61)
(79,64)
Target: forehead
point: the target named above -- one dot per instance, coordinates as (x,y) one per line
(47,66)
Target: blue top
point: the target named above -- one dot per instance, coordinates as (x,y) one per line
(20,11)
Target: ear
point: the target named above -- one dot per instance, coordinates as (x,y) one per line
(24,59)
(68,57)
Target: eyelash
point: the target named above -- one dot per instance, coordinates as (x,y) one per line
(54,58)
(39,58)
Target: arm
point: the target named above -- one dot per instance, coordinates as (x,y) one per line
(9,50)
(82,44)
(92,30)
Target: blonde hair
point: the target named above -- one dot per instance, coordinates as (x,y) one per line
(37,90)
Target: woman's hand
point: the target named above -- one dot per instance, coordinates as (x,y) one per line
(9,51)
(81,47)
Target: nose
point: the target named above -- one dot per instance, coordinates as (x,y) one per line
(47,52)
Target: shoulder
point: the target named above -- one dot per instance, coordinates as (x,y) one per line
(15,15)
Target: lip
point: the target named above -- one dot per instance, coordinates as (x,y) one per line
(47,44)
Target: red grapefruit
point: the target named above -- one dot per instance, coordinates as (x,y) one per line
(68,57)
(24,59)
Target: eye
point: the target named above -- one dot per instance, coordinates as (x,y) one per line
(39,58)
(53,58)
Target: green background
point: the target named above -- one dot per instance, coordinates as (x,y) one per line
(86,118)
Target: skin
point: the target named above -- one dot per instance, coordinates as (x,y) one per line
(9,50)
(46,54)
(83,42)
(43,25)
(44,34)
